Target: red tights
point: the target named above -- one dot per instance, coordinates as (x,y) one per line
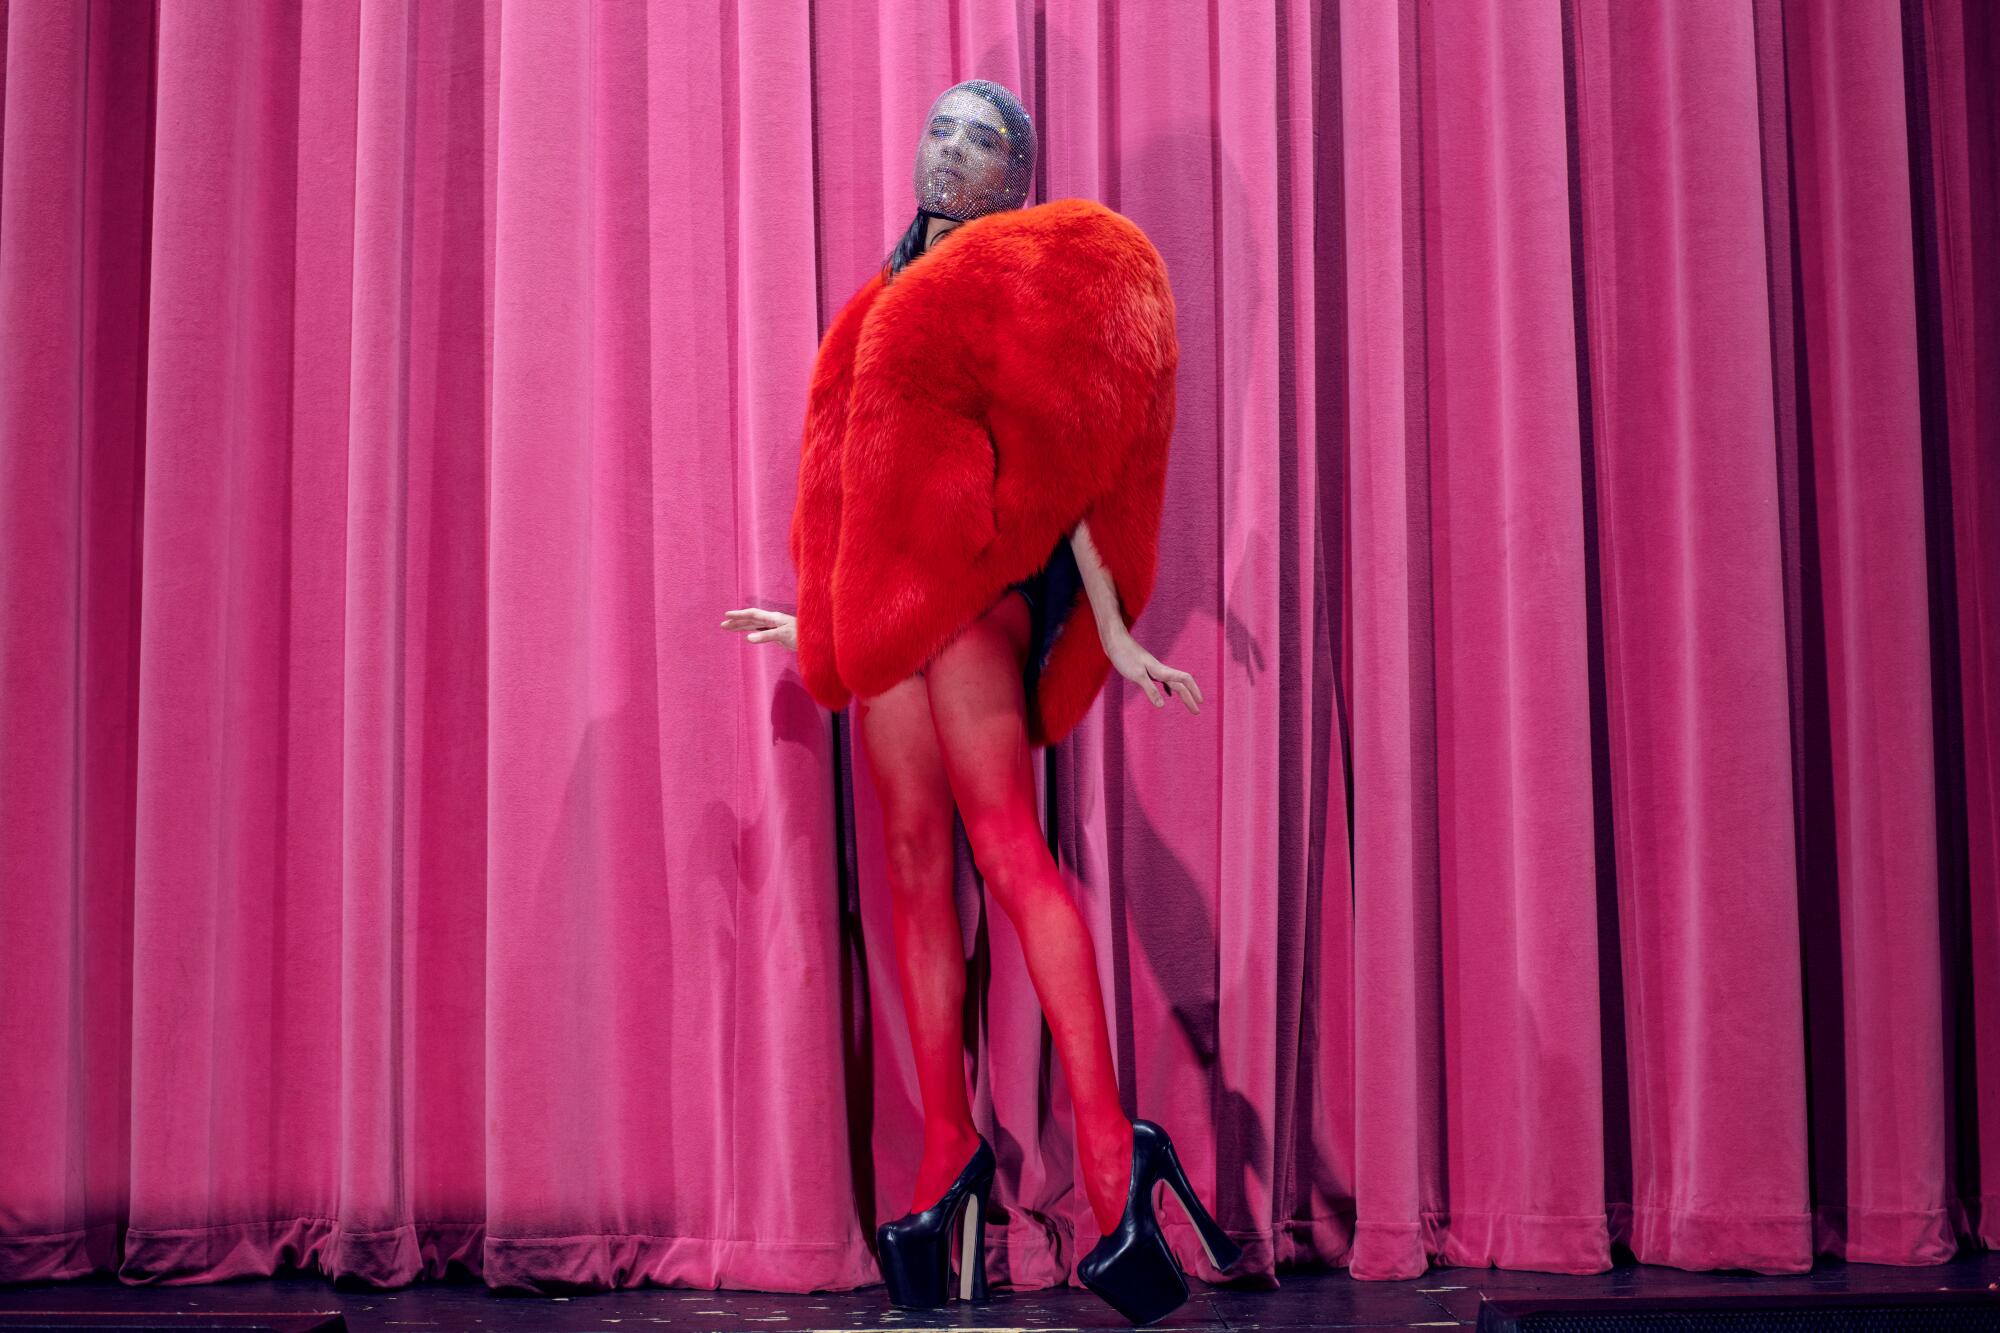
(958,732)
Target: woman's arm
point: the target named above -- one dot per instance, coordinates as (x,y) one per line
(1131,661)
(1097,582)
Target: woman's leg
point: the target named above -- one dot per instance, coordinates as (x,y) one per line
(980,714)
(902,750)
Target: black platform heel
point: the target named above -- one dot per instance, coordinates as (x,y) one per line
(915,1249)
(1132,1268)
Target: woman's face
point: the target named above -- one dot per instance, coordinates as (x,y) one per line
(965,159)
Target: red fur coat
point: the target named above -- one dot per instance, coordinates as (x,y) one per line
(960,420)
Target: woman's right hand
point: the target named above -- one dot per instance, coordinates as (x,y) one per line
(764,626)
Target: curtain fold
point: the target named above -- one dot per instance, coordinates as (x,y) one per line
(1678,381)
(1585,529)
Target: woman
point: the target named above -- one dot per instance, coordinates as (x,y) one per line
(1016,378)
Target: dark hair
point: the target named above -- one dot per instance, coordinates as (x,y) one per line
(908,248)
(1021,137)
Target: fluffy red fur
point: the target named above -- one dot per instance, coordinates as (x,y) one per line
(1017,378)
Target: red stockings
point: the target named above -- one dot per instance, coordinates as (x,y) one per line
(958,733)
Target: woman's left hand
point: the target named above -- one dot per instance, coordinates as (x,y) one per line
(1148,672)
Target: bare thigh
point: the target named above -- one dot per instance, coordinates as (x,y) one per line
(901,746)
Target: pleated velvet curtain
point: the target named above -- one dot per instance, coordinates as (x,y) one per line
(1584,522)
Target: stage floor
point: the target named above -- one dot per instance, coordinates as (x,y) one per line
(1442,1298)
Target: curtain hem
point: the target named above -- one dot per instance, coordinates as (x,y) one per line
(412,1253)
(1030,1252)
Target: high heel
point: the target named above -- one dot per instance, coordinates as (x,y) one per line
(1132,1267)
(915,1249)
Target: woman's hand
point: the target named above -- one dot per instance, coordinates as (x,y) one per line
(1133,662)
(764,625)
(1147,671)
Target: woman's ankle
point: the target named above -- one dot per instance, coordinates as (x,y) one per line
(1107,1161)
(946,1151)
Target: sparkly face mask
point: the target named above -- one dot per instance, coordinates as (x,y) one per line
(974,159)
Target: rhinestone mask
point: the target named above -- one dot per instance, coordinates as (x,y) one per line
(974,157)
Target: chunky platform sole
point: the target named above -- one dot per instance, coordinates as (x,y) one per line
(915,1250)
(1132,1268)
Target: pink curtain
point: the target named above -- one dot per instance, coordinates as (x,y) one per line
(1585,526)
